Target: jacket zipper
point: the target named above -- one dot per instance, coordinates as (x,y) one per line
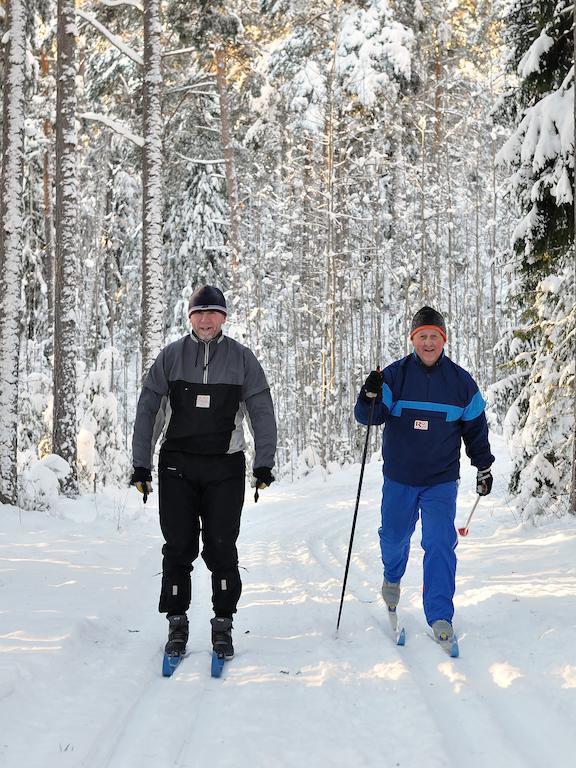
(206,361)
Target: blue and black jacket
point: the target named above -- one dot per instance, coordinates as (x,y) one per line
(427,411)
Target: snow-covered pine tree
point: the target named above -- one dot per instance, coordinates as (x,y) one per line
(196,206)
(540,153)
(195,235)
(103,457)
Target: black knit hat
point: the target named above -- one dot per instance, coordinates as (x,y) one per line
(428,318)
(207,297)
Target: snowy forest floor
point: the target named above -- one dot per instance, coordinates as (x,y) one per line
(81,641)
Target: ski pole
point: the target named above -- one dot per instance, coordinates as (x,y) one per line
(356,509)
(464,531)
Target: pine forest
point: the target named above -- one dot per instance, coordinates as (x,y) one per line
(332,165)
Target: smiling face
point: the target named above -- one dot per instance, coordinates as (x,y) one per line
(428,345)
(207,324)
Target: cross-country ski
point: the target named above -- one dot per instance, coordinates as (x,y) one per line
(170,662)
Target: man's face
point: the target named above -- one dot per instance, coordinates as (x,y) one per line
(207,324)
(428,345)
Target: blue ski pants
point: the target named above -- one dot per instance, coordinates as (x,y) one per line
(436,504)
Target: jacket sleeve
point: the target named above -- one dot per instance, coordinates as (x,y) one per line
(256,395)
(475,433)
(150,414)
(263,426)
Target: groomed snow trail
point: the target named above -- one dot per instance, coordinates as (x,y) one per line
(81,642)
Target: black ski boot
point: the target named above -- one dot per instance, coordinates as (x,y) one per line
(177,635)
(222,637)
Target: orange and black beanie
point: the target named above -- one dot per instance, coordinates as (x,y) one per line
(428,318)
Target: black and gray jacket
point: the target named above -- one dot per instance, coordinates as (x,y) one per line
(196,395)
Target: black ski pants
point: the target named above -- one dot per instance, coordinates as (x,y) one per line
(200,495)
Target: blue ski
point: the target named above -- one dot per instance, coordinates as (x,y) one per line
(170,663)
(400,634)
(218,661)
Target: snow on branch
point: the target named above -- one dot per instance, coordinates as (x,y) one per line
(197,161)
(114,125)
(111,37)
(531,61)
(117,3)
(178,52)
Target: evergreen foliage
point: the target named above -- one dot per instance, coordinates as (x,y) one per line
(540,153)
(362,153)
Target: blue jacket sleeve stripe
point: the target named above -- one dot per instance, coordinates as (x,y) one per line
(453,412)
(387,396)
(474,408)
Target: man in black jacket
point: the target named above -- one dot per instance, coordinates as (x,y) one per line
(196,395)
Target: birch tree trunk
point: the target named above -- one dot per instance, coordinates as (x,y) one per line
(152,273)
(230,167)
(64,431)
(11,244)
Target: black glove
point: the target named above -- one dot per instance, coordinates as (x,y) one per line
(372,387)
(484,482)
(142,479)
(264,477)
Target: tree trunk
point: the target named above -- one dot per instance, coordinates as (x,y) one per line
(152,273)
(228,150)
(64,431)
(572,500)
(423,269)
(11,244)
(48,212)
(48,230)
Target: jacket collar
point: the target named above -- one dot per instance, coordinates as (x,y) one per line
(217,339)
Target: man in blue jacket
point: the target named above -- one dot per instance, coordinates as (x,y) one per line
(428,405)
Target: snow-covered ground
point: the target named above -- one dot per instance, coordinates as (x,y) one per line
(81,642)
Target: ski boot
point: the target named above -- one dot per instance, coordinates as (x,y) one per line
(177,635)
(445,637)
(443,631)
(391,594)
(222,637)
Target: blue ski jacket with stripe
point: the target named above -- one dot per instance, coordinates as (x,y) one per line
(427,411)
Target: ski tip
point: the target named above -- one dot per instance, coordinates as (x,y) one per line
(401,637)
(217,665)
(169,664)
(454,650)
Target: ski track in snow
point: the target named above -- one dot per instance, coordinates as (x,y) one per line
(81,643)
